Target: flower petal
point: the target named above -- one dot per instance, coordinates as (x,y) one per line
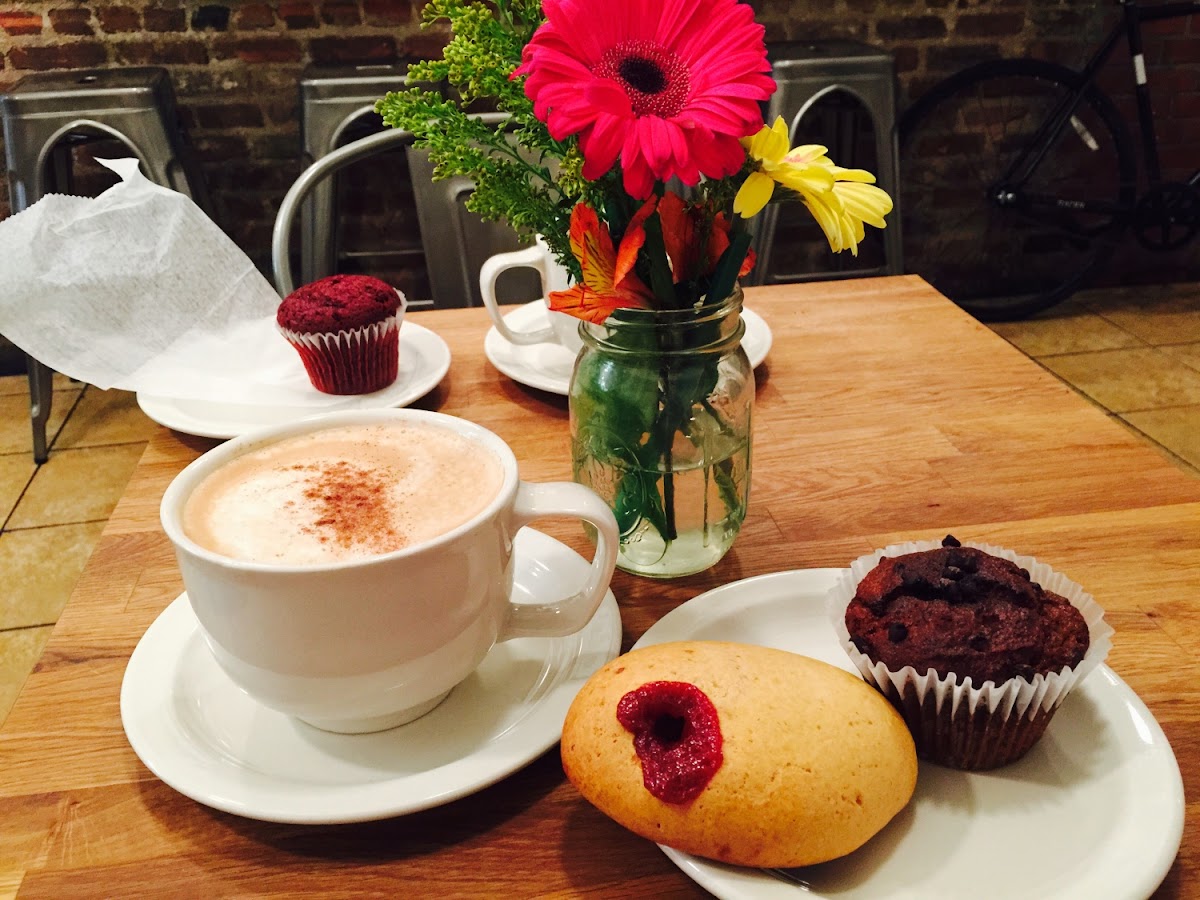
(583,302)
(753,195)
(592,246)
(807,155)
(770,144)
(601,290)
(864,202)
(601,146)
(632,241)
(607,96)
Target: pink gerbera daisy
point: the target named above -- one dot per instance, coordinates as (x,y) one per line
(667,86)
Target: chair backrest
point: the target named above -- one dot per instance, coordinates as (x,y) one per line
(455,241)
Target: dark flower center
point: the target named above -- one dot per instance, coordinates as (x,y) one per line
(654,78)
(642,75)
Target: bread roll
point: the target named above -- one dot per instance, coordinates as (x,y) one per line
(809,764)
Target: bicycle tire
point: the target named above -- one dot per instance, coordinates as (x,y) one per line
(1009,261)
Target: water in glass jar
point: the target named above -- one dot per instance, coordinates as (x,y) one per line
(708,500)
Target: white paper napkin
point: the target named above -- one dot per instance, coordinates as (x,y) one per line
(138,289)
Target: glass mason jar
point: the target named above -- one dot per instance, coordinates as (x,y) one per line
(660,406)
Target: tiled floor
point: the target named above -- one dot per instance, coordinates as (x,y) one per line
(1135,352)
(52,515)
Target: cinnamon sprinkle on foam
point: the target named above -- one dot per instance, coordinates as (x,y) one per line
(352,507)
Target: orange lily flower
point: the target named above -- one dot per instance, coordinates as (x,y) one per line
(608,279)
(679,224)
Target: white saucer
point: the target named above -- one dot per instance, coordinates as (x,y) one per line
(1095,810)
(547,366)
(424,361)
(208,740)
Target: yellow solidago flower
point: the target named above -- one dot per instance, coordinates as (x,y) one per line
(840,200)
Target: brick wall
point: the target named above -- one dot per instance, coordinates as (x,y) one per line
(235,67)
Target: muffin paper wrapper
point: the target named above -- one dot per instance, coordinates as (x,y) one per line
(357,361)
(958,723)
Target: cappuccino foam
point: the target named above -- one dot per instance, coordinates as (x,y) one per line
(342,494)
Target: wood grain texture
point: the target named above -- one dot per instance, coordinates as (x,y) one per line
(883,413)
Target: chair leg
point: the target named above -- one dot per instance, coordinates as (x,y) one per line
(41,395)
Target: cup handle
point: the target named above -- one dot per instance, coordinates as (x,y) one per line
(535,258)
(571,614)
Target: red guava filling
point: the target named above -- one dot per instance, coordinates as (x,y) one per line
(676,735)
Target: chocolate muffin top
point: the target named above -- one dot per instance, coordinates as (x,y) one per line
(337,303)
(960,610)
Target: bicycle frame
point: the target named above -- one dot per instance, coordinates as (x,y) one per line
(1130,27)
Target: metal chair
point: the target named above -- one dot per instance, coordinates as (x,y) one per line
(44,114)
(456,241)
(807,74)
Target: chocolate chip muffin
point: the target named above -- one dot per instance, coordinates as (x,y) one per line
(963,611)
(976,646)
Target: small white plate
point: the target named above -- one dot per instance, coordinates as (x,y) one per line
(207,739)
(547,366)
(424,361)
(1094,811)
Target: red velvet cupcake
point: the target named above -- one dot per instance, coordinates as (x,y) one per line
(346,329)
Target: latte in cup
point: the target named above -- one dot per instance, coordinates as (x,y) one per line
(342,493)
(350,569)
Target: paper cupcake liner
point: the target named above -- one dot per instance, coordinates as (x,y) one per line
(962,725)
(357,361)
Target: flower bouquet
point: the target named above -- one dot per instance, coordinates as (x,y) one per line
(636,148)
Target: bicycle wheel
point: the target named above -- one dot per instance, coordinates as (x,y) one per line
(998,244)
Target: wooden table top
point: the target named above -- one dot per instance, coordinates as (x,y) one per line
(883,413)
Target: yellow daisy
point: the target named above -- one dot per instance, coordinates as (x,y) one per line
(840,200)
(769,148)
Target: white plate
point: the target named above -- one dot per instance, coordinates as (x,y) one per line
(1094,811)
(547,366)
(207,739)
(424,361)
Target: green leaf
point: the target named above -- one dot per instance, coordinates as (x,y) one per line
(726,486)
(720,285)
(638,498)
(654,257)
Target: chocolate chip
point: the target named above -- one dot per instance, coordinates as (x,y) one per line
(979,643)
(897,632)
(878,606)
(952,572)
(962,560)
(859,644)
(1027,599)
(1025,574)
(951,541)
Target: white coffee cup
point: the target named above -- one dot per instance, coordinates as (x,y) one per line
(371,643)
(563,328)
